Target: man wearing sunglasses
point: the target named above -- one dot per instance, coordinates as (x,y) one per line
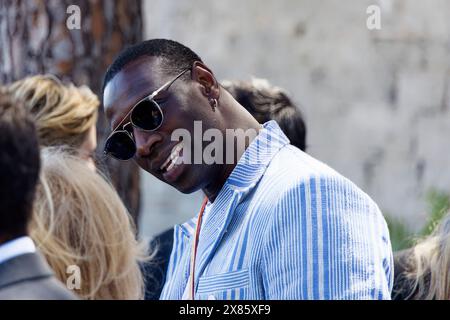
(283,227)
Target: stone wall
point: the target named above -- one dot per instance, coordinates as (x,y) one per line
(376,102)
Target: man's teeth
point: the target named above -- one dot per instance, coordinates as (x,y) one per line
(165,163)
(172,163)
(173,158)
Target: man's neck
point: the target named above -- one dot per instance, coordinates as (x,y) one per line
(213,189)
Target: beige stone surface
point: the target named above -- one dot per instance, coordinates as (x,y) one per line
(376,102)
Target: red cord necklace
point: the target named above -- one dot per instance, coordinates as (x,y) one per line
(194,247)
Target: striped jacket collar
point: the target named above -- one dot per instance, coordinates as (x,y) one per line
(242,180)
(248,170)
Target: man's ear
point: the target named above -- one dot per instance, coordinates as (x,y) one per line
(204,76)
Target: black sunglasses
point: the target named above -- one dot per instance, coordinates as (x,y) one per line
(146,115)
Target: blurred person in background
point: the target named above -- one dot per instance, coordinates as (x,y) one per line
(423,271)
(265,102)
(24,273)
(79,220)
(64,114)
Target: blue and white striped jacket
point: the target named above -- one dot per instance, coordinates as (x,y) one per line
(285,227)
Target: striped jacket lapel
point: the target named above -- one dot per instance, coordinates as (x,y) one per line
(215,227)
(178,270)
(242,180)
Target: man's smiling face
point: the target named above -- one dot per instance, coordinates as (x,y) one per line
(182,104)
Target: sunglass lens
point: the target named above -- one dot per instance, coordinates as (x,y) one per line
(121,146)
(147,115)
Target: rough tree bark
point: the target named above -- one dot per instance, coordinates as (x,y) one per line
(34,38)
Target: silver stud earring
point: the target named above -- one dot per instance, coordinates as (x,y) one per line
(213,102)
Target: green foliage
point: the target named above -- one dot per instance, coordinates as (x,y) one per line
(401,236)
(438,204)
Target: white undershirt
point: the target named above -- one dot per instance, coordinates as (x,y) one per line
(16,247)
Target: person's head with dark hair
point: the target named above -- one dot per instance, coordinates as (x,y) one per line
(19,168)
(266,102)
(183,91)
(175,57)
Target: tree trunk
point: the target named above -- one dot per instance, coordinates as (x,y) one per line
(35,38)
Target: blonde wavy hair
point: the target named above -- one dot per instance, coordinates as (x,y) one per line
(79,219)
(431,264)
(63,113)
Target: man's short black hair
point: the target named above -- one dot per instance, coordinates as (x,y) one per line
(266,102)
(177,57)
(19,167)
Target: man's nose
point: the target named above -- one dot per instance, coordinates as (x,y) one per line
(145,141)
